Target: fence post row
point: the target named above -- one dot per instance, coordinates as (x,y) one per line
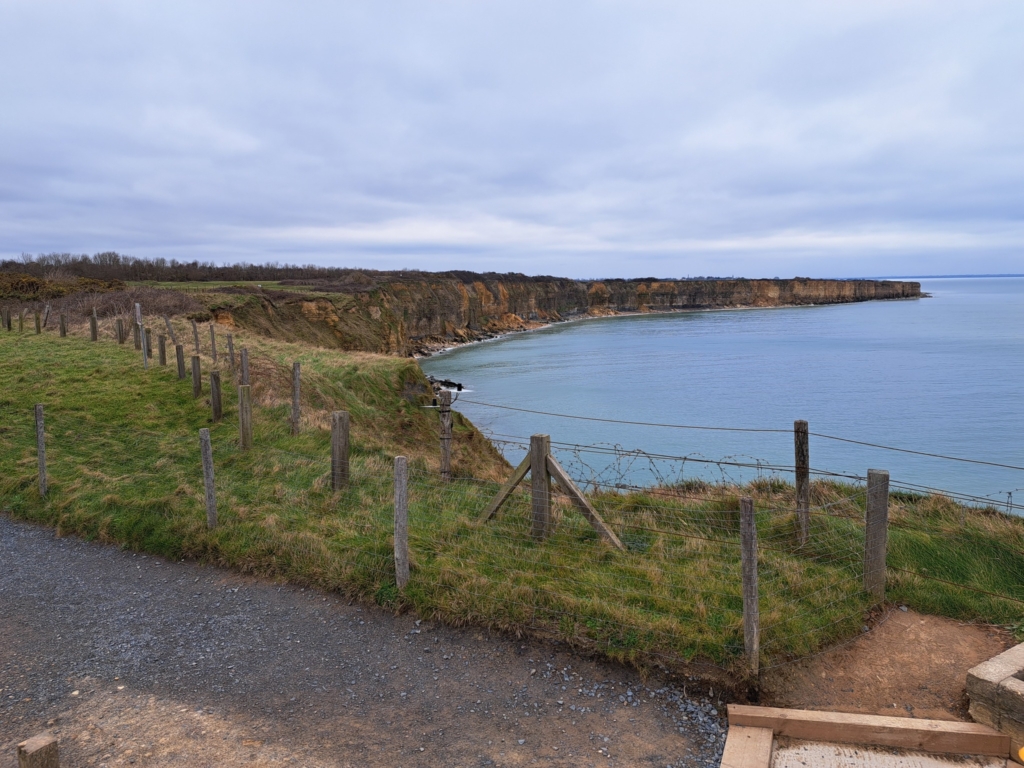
(339,449)
(211,498)
(401,521)
(245,417)
(876,533)
(41,449)
(751,609)
(446,435)
(179,354)
(802,462)
(215,400)
(197,377)
(540,447)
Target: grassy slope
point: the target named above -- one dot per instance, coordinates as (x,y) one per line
(124,467)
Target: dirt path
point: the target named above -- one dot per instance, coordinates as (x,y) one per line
(133,660)
(909,665)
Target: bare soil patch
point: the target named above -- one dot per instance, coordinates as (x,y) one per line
(908,665)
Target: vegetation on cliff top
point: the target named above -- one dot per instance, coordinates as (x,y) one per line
(124,468)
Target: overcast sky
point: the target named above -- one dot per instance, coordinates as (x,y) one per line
(579,139)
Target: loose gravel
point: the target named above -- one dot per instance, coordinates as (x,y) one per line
(134,660)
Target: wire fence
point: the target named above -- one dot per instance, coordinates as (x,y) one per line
(674,593)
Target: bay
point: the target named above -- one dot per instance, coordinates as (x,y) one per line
(941,375)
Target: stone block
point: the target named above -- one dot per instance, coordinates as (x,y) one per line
(1015,730)
(983,680)
(982,713)
(1010,698)
(38,752)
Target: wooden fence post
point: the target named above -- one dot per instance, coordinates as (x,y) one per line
(195,335)
(446,435)
(401,521)
(215,399)
(46,315)
(802,463)
(179,354)
(143,341)
(211,498)
(339,449)
(40,751)
(197,377)
(63,325)
(540,447)
(170,331)
(147,339)
(245,366)
(296,391)
(231,352)
(751,609)
(876,533)
(213,344)
(21,321)
(41,449)
(161,343)
(39,323)
(136,337)
(119,330)
(94,326)
(245,417)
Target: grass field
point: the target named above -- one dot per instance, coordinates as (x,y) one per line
(123,458)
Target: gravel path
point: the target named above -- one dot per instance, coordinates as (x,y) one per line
(133,660)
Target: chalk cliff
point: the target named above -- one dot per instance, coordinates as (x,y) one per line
(413,312)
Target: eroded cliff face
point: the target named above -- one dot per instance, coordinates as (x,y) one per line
(419,313)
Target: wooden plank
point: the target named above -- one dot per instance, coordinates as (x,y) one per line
(904,732)
(506,489)
(580,501)
(748,747)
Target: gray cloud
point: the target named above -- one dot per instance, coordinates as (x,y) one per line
(582,139)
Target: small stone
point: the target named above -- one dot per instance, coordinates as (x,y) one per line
(522,741)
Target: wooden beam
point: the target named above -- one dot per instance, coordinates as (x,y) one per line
(506,489)
(878,730)
(579,500)
(748,747)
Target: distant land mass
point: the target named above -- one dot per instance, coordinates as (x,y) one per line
(409,312)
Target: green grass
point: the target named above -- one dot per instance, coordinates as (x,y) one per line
(123,458)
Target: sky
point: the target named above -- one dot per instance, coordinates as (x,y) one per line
(597,139)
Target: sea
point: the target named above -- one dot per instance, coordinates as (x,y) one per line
(636,400)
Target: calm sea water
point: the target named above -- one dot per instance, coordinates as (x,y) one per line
(942,375)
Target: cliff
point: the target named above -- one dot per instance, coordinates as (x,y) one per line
(408,313)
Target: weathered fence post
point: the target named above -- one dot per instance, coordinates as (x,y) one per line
(39,752)
(213,344)
(41,449)
(7,318)
(161,343)
(211,497)
(170,330)
(245,417)
(63,321)
(195,335)
(119,330)
(197,377)
(179,354)
(94,326)
(136,336)
(540,447)
(39,323)
(802,462)
(215,400)
(401,521)
(46,315)
(446,435)
(296,391)
(21,321)
(147,339)
(144,341)
(876,533)
(245,365)
(339,449)
(751,609)
(231,352)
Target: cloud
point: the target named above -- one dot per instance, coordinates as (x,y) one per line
(574,138)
